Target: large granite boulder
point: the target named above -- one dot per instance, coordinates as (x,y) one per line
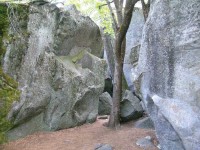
(105,104)
(169,66)
(130,107)
(59,73)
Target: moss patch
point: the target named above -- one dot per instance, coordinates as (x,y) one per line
(18,26)
(8,94)
(78,56)
(8,87)
(4,23)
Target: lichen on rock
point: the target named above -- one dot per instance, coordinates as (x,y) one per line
(4,23)
(8,94)
(8,87)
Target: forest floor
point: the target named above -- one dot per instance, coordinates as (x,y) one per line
(84,137)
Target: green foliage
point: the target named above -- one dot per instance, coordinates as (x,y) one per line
(97,11)
(106,21)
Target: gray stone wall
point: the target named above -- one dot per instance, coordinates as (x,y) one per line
(169,66)
(133,42)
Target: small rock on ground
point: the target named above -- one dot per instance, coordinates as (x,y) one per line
(103,147)
(145,142)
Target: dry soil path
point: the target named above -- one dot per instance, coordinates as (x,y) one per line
(84,137)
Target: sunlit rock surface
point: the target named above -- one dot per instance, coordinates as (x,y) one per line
(133,42)
(170,69)
(59,73)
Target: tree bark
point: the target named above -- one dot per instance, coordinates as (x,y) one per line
(115,25)
(119,12)
(114,120)
(145,9)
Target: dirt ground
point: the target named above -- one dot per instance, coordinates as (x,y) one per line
(84,137)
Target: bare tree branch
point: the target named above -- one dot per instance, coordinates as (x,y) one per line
(125,24)
(121,4)
(116,2)
(113,16)
(104,4)
(145,8)
(118,11)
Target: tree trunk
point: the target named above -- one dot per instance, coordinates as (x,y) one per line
(114,120)
(145,8)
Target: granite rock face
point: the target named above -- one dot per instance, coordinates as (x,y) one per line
(144,123)
(133,42)
(169,70)
(60,75)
